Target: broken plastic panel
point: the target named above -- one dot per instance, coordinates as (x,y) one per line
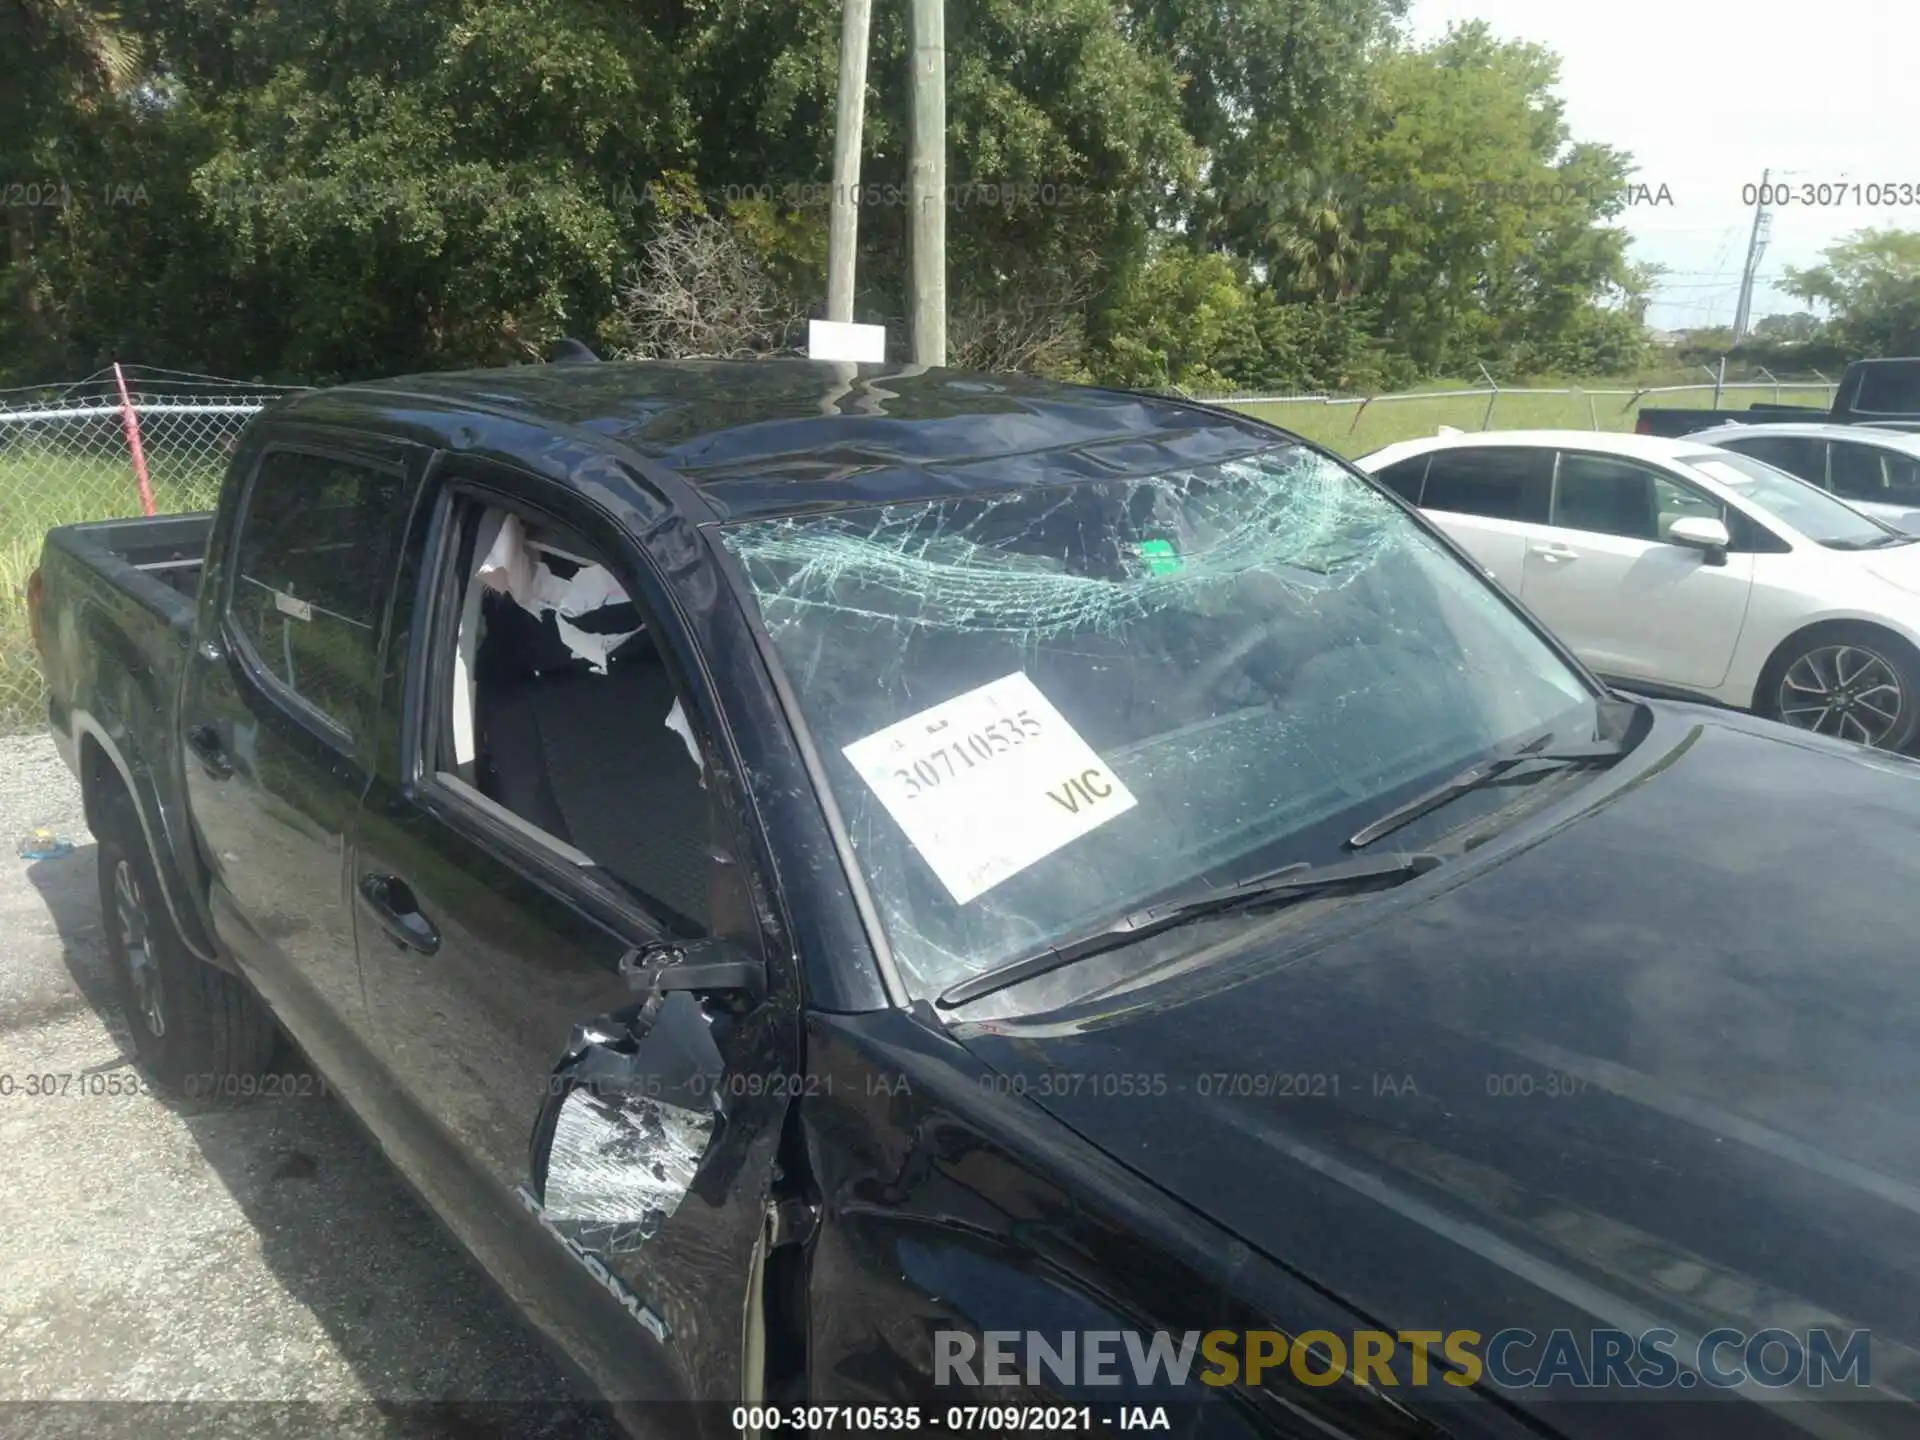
(632,1110)
(620,1167)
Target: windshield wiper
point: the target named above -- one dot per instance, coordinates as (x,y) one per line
(1485,773)
(1277,887)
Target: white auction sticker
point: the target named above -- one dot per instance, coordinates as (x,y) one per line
(988,783)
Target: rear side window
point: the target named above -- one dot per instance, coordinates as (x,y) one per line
(1796,454)
(1902,472)
(1889,389)
(1507,483)
(1866,472)
(1403,477)
(308,568)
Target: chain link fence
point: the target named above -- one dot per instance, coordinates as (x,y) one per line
(66,455)
(1353,425)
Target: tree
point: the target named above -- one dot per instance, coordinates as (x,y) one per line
(1271,88)
(1483,227)
(1265,193)
(1799,326)
(383,185)
(1312,244)
(64,60)
(1181,320)
(1871,284)
(701,290)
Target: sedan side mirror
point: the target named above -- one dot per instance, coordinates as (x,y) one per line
(1703,533)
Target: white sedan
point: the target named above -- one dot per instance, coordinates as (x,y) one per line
(1676,568)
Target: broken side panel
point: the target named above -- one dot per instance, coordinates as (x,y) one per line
(631,1110)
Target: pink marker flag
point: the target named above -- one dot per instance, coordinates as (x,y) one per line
(132,423)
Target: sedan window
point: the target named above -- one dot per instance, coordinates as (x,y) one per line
(1856,471)
(1504,483)
(1605,495)
(1800,455)
(1404,478)
(1869,472)
(1903,477)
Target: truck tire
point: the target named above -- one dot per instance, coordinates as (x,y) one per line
(190,1021)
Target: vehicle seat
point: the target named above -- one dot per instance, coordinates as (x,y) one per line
(517,651)
(589,759)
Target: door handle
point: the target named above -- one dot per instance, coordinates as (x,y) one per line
(389,900)
(204,742)
(1555,553)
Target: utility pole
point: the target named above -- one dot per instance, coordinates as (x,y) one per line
(1756,247)
(843,220)
(927,183)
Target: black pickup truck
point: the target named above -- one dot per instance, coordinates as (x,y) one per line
(889,900)
(1870,392)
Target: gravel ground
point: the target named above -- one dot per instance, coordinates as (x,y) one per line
(256,1263)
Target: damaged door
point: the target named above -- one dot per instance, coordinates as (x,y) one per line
(568,977)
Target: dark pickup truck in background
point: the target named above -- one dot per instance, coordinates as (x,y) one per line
(1870,392)
(850,887)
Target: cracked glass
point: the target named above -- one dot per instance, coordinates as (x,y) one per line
(1259,653)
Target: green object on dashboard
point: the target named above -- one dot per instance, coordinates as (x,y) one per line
(1161,557)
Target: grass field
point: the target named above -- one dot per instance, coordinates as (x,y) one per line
(1354,430)
(41,487)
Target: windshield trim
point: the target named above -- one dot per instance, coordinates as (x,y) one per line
(891,973)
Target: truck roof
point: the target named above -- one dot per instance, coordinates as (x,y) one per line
(757,437)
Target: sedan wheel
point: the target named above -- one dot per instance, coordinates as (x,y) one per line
(1846,691)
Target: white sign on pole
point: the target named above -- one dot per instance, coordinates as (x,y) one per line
(837,340)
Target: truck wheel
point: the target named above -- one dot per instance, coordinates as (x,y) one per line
(188,1018)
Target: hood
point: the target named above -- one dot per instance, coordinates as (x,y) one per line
(1654,1065)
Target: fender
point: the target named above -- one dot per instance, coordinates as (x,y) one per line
(176,890)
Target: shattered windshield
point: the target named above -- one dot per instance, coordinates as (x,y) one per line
(1041,707)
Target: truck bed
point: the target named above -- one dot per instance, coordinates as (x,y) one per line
(166,550)
(117,609)
(1674,422)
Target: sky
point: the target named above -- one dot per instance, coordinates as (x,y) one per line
(1706,97)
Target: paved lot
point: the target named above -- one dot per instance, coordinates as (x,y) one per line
(255,1261)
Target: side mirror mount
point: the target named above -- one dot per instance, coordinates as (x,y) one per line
(1702,533)
(701,967)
